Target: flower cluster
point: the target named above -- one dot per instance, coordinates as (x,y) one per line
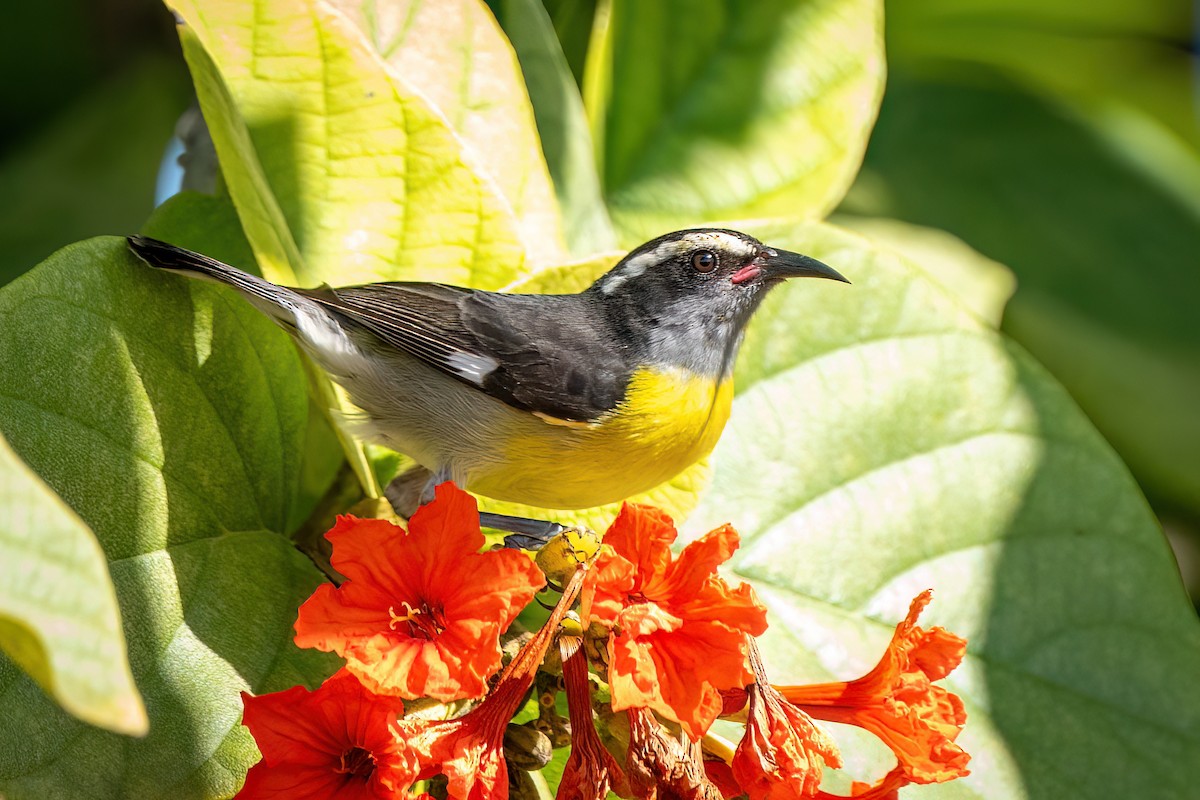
(662,646)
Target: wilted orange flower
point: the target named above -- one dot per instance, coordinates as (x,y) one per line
(590,769)
(678,629)
(721,776)
(662,766)
(780,756)
(898,702)
(334,742)
(421,612)
(469,750)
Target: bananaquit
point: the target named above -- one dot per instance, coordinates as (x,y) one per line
(557,401)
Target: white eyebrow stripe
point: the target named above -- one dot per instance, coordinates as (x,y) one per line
(693,240)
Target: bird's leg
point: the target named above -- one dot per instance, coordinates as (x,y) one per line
(524,533)
(435,479)
(415,487)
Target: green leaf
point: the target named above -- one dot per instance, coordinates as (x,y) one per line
(980,284)
(456,56)
(210,225)
(722,110)
(884,441)
(1101,233)
(58,613)
(172,418)
(1112,55)
(262,219)
(562,123)
(373,182)
(572,21)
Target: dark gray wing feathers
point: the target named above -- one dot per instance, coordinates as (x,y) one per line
(549,354)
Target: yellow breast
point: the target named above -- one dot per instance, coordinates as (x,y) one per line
(668,420)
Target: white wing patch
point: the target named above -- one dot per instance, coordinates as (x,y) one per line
(472,367)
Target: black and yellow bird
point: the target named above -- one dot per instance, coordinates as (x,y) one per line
(558,401)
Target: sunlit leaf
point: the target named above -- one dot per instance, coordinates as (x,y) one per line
(58,614)
(1100,234)
(455,55)
(980,284)
(372,181)
(722,110)
(885,441)
(171,417)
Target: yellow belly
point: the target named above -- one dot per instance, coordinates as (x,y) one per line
(667,421)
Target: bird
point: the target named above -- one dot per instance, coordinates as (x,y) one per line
(560,401)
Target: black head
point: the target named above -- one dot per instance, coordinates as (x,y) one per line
(686,297)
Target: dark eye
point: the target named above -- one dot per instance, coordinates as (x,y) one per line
(704,261)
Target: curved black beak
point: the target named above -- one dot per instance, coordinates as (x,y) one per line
(785,264)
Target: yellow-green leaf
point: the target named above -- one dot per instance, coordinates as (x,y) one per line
(58,613)
(373,182)
(716,109)
(979,283)
(454,54)
(261,217)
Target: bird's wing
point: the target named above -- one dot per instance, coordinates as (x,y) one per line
(547,355)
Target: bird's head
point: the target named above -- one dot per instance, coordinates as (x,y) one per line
(686,297)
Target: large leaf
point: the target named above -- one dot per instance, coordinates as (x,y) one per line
(210,225)
(884,441)
(562,123)
(455,54)
(371,179)
(58,612)
(1101,238)
(980,284)
(172,418)
(719,109)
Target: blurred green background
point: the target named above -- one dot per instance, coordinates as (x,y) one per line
(1059,138)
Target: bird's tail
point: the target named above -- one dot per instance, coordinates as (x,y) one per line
(279,302)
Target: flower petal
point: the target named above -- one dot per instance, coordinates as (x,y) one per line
(422,611)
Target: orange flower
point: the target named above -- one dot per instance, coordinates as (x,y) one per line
(898,702)
(678,630)
(421,613)
(887,789)
(590,769)
(780,756)
(331,743)
(469,750)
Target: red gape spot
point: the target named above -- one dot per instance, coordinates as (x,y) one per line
(747,273)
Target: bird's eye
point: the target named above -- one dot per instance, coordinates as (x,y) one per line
(704,261)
